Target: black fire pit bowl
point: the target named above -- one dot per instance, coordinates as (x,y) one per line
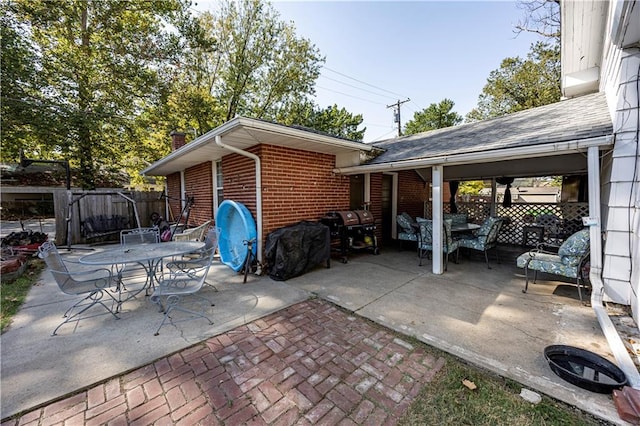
(584,369)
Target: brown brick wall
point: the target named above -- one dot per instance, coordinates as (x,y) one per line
(299,185)
(173,191)
(199,185)
(376,203)
(412,193)
(239,179)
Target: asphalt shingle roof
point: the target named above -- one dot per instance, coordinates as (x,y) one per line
(573,119)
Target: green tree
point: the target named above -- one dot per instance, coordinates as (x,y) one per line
(521,84)
(435,116)
(248,63)
(332,120)
(99,64)
(471,187)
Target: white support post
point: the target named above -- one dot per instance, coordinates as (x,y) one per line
(367,191)
(494,196)
(436,206)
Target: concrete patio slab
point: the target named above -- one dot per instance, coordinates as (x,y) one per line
(475,313)
(38,367)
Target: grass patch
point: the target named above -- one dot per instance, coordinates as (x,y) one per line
(13,293)
(496,401)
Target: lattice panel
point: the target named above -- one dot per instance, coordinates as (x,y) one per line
(519,215)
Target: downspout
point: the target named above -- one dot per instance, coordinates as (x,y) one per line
(258,193)
(597,288)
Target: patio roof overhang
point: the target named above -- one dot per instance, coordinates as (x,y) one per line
(243,133)
(563,157)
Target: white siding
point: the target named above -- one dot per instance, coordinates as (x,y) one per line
(621,171)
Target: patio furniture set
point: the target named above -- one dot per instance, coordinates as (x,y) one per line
(166,284)
(552,255)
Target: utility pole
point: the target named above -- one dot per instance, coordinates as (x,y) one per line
(396,113)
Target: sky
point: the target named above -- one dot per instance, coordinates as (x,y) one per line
(378,53)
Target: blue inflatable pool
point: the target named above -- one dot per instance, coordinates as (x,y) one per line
(236,226)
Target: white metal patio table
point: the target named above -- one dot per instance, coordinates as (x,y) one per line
(148,255)
(464,227)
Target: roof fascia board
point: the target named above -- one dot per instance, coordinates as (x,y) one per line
(249,123)
(483,156)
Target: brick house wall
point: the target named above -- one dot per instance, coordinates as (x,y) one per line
(173,192)
(296,185)
(199,185)
(412,193)
(239,178)
(300,185)
(376,203)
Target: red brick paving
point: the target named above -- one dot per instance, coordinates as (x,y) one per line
(311,363)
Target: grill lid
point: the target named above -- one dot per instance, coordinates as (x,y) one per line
(365,217)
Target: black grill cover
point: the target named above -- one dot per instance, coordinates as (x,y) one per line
(294,250)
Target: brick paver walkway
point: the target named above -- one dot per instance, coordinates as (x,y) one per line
(311,363)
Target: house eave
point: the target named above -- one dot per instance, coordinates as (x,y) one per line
(505,154)
(249,132)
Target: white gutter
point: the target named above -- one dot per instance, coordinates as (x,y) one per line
(597,288)
(249,124)
(482,156)
(256,159)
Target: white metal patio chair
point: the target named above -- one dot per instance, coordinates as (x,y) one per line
(195,260)
(139,236)
(181,283)
(193,234)
(93,285)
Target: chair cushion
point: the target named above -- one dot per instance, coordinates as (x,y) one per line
(545,262)
(486,226)
(404,223)
(407,236)
(576,245)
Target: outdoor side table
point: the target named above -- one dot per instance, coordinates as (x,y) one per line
(536,231)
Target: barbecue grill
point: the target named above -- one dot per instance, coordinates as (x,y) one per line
(351,230)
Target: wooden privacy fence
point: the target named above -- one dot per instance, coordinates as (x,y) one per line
(114,206)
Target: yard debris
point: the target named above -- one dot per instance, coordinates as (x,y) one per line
(24,241)
(469,384)
(531,396)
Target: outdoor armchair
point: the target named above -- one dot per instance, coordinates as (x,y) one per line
(92,285)
(484,239)
(567,262)
(178,284)
(425,242)
(408,228)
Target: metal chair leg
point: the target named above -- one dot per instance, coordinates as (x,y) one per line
(526,277)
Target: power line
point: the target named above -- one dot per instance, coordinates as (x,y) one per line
(362,82)
(351,96)
(383,135)
(355,87)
